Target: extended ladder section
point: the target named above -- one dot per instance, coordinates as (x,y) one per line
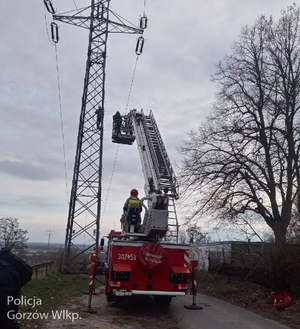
(157,169)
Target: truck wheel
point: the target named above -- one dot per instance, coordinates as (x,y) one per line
(163,299)
(110,296)
(118,299)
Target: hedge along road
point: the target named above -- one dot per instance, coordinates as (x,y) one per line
(143,313)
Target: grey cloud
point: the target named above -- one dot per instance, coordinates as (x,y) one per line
(35,202)
(26,170)
(172,79)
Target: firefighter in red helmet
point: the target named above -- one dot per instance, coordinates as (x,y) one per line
(132,210)
(134,192)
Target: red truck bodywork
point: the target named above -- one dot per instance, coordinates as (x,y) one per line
(137,267)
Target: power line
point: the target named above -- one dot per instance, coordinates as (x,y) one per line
(46,25)
(61,123)
(75,4)
(110,182)
(117,152)
(130,89)
(53,43)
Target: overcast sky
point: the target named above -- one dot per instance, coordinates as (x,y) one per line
(184,40)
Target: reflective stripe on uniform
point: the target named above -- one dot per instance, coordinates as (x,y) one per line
(134,203)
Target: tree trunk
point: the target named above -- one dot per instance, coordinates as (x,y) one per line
(279,229)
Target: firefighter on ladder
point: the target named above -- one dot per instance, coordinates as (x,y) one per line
(132,212)
(117,121)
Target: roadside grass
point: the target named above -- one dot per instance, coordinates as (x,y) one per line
(250,296)
(52,290)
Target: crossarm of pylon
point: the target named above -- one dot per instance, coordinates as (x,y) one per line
(80,21)
(84,22)
(122,25)
(115,27)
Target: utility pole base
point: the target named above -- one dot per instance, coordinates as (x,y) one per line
(193,307)
(89,310)
(87,293)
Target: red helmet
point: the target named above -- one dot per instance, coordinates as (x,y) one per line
(134,192)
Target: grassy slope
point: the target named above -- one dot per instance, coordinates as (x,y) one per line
(53,290)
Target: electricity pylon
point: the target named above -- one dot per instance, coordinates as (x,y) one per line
(85,198)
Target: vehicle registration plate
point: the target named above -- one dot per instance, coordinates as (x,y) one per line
(122,293)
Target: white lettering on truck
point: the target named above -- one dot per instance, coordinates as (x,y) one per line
(127,256)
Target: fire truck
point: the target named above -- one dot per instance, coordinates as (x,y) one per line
(148,261)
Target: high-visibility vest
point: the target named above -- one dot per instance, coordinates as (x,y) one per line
(133,203)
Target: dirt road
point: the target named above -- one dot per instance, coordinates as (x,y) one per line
(217,314)
(134,313)
(144,313)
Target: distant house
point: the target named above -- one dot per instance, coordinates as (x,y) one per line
(216,254)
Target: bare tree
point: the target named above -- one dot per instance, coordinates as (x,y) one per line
(11,235)
(182,236)
(245,159)
(192,233)
(245,226)
(293,232)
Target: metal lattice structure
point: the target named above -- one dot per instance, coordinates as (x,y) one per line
(85,199)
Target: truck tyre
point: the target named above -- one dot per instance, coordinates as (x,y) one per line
(163,299)
(118,299)
(110,296)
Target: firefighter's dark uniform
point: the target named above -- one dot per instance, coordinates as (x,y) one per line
(117,119)
(133,209)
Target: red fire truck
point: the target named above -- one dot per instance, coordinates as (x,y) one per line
(137,267)
(148,261)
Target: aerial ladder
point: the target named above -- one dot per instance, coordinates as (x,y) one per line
(161,187)
(147,260)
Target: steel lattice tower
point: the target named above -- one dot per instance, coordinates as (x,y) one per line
(85,198)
